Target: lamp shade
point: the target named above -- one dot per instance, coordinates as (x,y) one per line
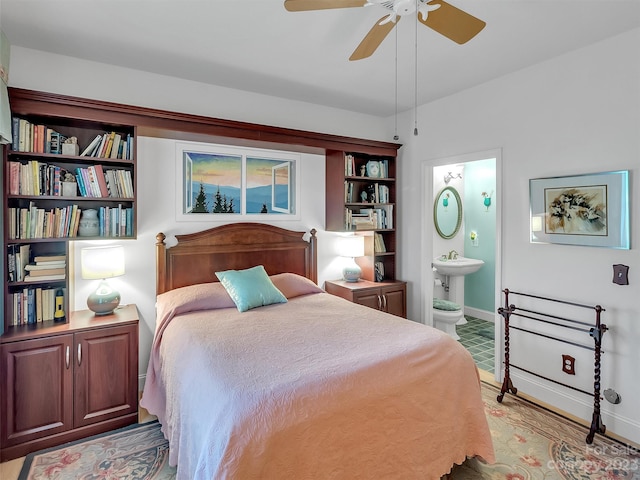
(352,246)
(102,262)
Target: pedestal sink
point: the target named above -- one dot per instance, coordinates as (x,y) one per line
(455,270)
(457,266)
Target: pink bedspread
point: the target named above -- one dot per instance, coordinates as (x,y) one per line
(316,388)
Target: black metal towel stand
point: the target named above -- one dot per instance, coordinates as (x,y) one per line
(596,331)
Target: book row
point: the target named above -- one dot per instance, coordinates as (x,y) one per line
(370,168)
(370,193)
(63,222)
(39,138)
(378,243)
(110,145)
(42,179)
(42,268)
(30,137)
(369,218)
(95,181)
(34,305)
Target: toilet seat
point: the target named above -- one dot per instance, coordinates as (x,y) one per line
(445,316)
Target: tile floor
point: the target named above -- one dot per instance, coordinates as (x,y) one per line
(477,337)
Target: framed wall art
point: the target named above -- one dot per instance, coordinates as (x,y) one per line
(222,181)
(590,209)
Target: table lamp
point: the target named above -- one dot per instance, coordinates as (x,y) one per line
(352,247)
(100,263)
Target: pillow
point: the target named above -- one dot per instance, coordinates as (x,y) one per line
(250,288)
(292,285)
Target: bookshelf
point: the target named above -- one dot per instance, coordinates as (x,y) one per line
(66,163)
(361,198)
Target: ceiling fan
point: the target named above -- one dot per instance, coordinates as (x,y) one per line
(438,15)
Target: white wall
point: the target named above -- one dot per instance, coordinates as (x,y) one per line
(578,113)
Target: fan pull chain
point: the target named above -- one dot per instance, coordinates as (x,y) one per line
(395,136)
(415,90)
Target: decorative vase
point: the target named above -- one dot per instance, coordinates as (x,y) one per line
(89,225)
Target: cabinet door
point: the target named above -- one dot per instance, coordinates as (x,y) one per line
(395,300)
(368,298)
(37,388)
(106,371)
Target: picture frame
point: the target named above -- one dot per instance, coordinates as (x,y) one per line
(373,169)
(587,210)
(221,182)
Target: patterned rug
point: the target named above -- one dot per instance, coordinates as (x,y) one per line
(136,452)
(530,443)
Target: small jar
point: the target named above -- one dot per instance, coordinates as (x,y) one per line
(89,224)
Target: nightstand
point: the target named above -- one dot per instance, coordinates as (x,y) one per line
(63,382)
(390,296)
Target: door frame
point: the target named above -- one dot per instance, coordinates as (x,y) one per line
(427,240)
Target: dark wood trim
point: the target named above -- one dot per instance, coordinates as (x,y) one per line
(197,256)
(161,123)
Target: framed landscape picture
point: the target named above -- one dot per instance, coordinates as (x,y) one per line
(222,181)
(591,210)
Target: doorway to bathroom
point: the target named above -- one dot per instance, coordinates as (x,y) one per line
(471,230)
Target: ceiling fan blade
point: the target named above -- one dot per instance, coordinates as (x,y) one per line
(452,22)
(306,5)
(373,39)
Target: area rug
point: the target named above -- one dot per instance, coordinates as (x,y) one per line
(533,443)
(530,443)
(137,452)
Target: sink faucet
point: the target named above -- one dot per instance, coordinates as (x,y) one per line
(452,255)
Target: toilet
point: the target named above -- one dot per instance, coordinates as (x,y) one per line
(445,316)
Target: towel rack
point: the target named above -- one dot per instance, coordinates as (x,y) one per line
(595,330)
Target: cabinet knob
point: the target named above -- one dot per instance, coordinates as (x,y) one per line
(384,302)
(67,359)
(79,354)
(379,303)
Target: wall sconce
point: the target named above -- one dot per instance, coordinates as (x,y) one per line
(100,263)
(450,176)
(352,247)
(487,199)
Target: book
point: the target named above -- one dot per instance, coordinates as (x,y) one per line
(46,272)
(42,278)
(91,146)
(102,183)
(49,258)
(45,265)
(11,263)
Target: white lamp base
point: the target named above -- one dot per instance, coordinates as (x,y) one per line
(104,300)
(351,272)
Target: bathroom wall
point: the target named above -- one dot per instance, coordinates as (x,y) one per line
(479,178)
(445,245)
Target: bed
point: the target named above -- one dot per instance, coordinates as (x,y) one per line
(305,385)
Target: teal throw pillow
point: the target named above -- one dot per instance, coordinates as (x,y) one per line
(250,288)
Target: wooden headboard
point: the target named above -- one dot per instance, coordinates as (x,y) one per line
(237,246)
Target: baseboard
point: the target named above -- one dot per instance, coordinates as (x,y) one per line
(481,314)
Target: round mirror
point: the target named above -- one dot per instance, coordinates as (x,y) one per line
(447,212)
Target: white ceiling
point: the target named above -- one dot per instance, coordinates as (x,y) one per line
(256,45)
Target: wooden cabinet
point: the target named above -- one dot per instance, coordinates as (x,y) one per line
(390,296)
(68,381)
(42,212)
(361,197)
